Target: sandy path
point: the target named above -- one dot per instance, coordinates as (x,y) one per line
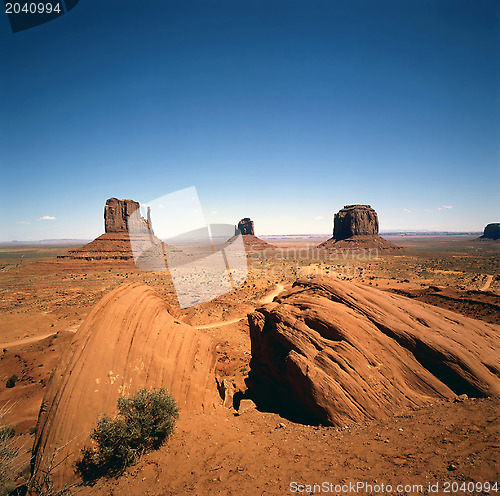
(487,283)
(219,324)
(33,339)
(25,340)
(270,297)
(266,299)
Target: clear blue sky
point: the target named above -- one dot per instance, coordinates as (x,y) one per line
(279,110)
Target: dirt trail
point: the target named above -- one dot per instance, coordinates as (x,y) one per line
(219,324)
(33,339)
(489,280)
(25,341)
(266,299)
(270,297)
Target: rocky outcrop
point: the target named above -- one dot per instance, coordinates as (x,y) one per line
(108,246)
(252,242)
(127,231)
(128,341)
(118,217)
(245,226)
(491,231)
(355,220)
(356,227)
(336,352)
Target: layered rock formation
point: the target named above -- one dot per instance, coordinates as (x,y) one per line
(128,341)
(336,352)
(355,220)
(356,226)
(245,226)
(118,217)
(491,231)
(252,242)
(125,231)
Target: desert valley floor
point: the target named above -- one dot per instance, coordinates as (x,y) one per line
(249,450)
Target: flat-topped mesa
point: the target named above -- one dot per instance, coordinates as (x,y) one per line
(245,226)
(491,231)
(356,227)
(355,220)
(118,217)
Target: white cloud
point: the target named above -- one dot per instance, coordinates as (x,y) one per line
(24,222)
(406,210)
(47,217)
(319,217)
(445,207)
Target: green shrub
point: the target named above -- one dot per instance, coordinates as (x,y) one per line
(6,432)
(144,422)
(11,381)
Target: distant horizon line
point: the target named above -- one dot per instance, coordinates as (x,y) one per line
(399,232)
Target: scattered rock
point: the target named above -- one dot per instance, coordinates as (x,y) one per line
(461,398)
(246,405)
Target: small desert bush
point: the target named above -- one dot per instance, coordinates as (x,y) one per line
(11,381)
(143,423)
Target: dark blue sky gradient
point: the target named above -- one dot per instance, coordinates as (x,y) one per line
(282,111)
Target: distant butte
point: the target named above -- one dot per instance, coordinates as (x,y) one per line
(123,222)
(245,226)
(491,231)
(252,242)
(356,227)
(118,217)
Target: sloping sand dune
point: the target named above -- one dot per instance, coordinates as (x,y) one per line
(127,342)
(336,352)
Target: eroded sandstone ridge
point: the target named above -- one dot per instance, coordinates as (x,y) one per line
(336,352)
(128,341)
(356,226)
(491,231)
(252,242)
